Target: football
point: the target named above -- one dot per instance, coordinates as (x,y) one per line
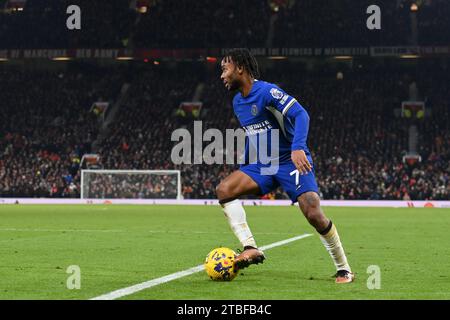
(219,264)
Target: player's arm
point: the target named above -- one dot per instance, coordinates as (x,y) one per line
(245,160)
(298,155)
(294,111)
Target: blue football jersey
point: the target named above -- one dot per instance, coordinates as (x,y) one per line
(267,107)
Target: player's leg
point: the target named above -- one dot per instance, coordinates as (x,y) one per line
(309,203)
(303,188)
(228,191)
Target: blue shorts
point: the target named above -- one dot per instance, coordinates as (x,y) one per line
(286,176)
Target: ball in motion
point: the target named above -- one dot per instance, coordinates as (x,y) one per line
(219,264)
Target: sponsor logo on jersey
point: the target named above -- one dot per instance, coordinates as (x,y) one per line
(257,128)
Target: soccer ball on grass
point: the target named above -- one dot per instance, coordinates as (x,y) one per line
(219,264)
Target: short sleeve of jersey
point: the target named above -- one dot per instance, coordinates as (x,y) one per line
(277,98)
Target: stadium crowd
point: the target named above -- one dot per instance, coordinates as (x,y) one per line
(46,127)
(130,186)
(356,140)
(358,143)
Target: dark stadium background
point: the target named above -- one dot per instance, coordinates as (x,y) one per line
(146,57)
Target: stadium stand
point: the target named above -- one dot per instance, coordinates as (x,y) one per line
(42,24)
(357,142)
(46,128)
(215,24)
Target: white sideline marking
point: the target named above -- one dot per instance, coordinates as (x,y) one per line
(177,275)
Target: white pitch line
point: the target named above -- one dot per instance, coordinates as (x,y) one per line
(283,242)
(177,275)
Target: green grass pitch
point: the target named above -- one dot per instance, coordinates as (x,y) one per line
(118,246)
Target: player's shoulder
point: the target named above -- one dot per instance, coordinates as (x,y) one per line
(262,88)
(271,89)
(261,84)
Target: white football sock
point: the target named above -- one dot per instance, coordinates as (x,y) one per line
(332,243)
(237,219)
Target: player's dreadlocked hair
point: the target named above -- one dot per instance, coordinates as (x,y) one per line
(243,58)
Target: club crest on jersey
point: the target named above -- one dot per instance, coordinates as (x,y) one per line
(277,94)
(254,110)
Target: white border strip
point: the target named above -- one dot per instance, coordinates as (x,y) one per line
(177,275)
(256,202)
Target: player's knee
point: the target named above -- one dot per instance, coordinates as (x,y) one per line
(309,201)
(310,206)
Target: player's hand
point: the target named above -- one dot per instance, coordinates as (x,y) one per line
(301,161)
